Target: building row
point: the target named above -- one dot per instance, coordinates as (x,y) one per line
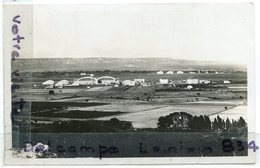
(108,80)
(190,72)
(104,80)
(189,81)
(169,72)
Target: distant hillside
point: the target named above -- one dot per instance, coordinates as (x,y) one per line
(117,64)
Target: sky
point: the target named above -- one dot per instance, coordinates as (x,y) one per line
(210,32)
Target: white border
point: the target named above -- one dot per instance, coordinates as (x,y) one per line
(230,160)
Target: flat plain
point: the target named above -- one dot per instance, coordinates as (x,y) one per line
(106,102)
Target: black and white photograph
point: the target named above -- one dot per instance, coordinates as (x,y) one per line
(110,81)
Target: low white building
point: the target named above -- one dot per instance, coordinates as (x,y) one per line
(163,81)
(83,74)
(48,82)
(189,87)
(192,81)
(160,72)
(204,81)
(128,83)
(180,72)
(62,83)
(145,84)
(139,80)
(226,82)
(169,72)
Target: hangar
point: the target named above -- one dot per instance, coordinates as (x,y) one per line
(62,83)
(169,72)
(48,82)
(88,80)
(106,80)
(180,72)
(160,72)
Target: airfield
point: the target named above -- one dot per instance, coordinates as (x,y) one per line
(142,105)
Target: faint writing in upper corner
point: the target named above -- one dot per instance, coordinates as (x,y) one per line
(17,37)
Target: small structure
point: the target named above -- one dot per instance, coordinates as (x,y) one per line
(139,80)
(226,82)
(128,83)
(192,81)
(48,82)
(160,72)
(163,81)
(180,72)
(192,72)
(62,83)
(83,74)
(145,84)
(169,72)
(189,87)
(91,75)
(204,81)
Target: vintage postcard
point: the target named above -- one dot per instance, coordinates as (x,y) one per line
(144,83)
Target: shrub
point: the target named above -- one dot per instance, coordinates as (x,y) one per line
(51,92)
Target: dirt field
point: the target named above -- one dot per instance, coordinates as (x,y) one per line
(233,113)
(142,106)
(149,118)
(141,115)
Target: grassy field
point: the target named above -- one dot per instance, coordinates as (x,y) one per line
(149,118)
(42,106)
(233,113)
(140,105)
(141,115)
(73,114)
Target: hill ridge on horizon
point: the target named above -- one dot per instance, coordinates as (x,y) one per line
(136,58)
(104,63)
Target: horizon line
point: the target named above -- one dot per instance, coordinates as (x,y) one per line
(211,61)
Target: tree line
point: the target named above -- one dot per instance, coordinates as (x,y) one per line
(181,121)
(177,121)
(74,126)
